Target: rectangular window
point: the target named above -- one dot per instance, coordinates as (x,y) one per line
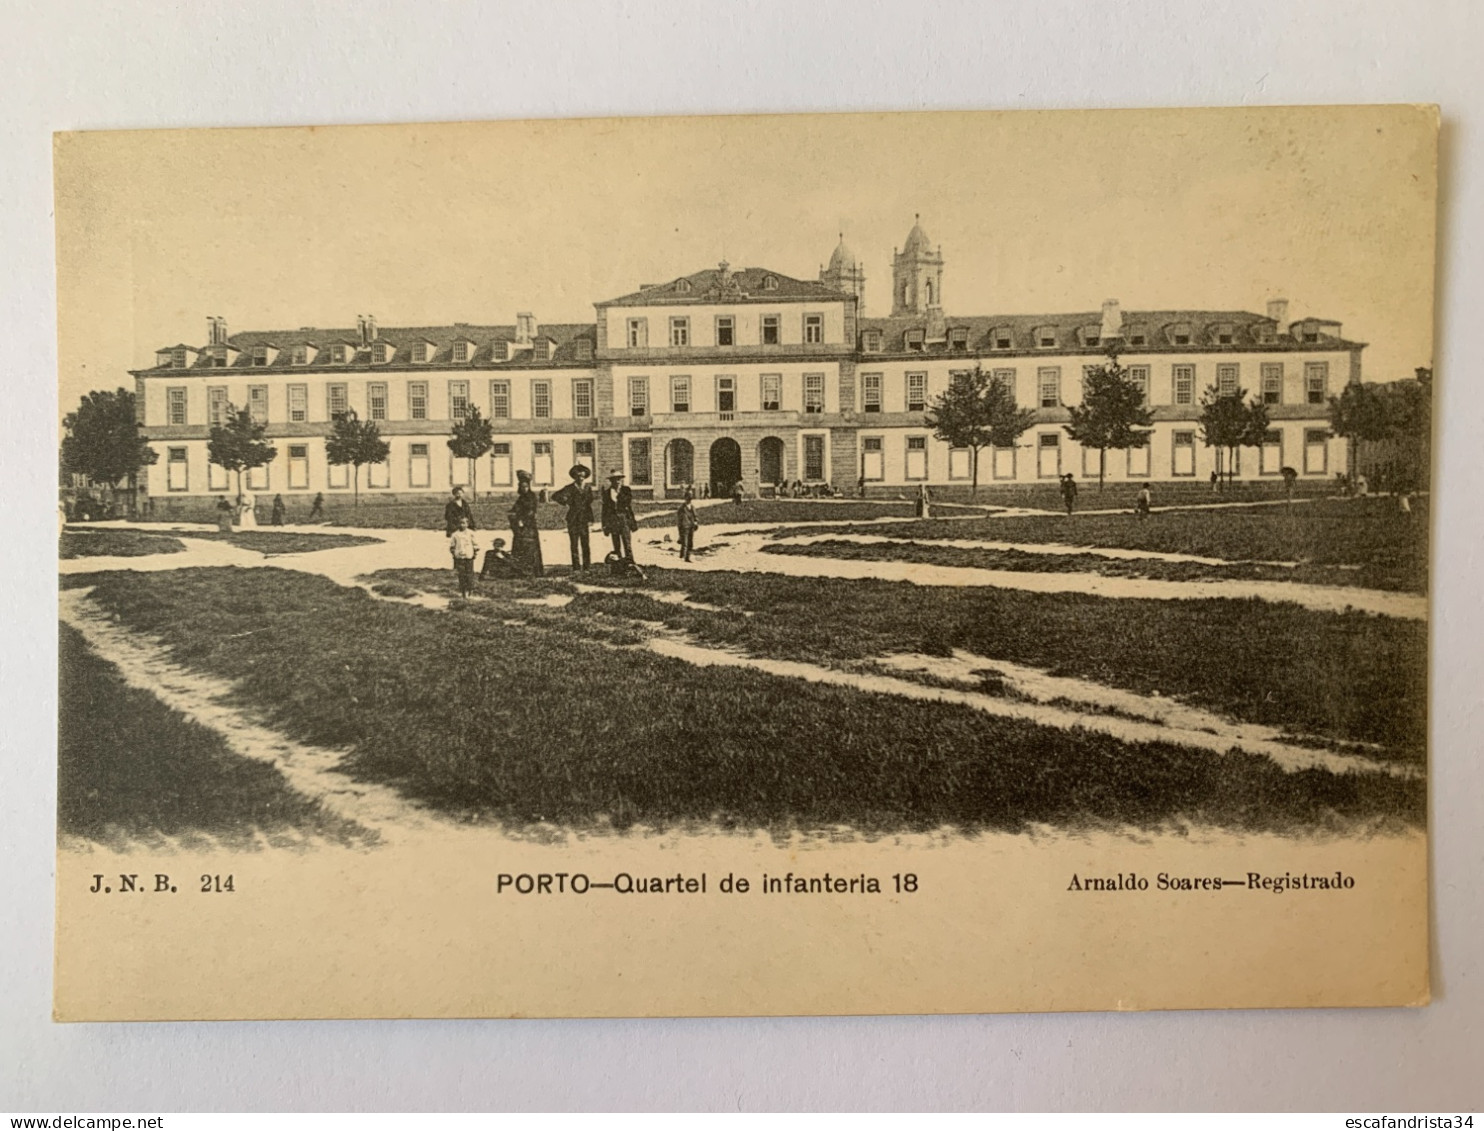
(916,392)
(217,478)
(870,392)
(1270,458)
(1049,382)
(585,453)
(726,330)
(543,463)
(1316,451)
(1228,380)
(1139,375)
(461,351)
(1138,462)
(1316,381)
(259,355)
(177,358)
(873,458)
(1272,383)
(376,400)
(257,478)
(458,471)
(814,457)
(541,399)
(379,353)
(680,331)
(960,340)
(1006,377)
(257,403)
(1002,462)
(419,351)
(959,463)
(1002,340)
(680,394)
(298,404)
(680,460)
(772,392)
(175,469)
(871,340)
(419,469)
(217,358)
(337,355)
(216,406)
(337,399)
(1048,455)
(726,394)
(337,476)
(417,401)
(1182,339)
(638,333)
(458,399)
(175,407)
(1183,459)
(770,329)
(1184,376)
(1046,339)
(640,471)
(813,329)
(638,396)
(917,457)
(582,398)
(300,355)
(914,339)
(1090,462)
(298,467)
(502,469)
(379,474)
(500,400)
(813,392)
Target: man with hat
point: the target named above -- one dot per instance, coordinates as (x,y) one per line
(577,497)
(618,514)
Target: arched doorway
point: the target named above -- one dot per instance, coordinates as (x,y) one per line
(770,461)
(726,466)
(680,463)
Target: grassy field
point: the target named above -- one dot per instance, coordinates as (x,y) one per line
(1368,533)
(110,543)
(763,511)
(272,542)
(422,514)
(131,769)
(523,724)
(930,554)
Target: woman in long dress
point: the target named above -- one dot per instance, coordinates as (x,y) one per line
(247,512)
(525,536)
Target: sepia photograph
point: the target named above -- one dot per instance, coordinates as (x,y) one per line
(913,562)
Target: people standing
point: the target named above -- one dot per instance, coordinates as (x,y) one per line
(924,502)
(317,510)
(1142,502)
(461,546)
(525,533)
(457,508)
(618,515)
(1069,491)
(577,497)
(278,510)
(686,522)
(247,511)
(224,512)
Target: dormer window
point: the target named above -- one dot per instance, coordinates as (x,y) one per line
(541,349)
(217,358)
(871,341)
(683,286)
(1310,335)
(419,351)
(1136,339)
(338,355)
(1046,338)
(1223,339)
(913,339)
(1092,339)
(300,355)
(379,353)
(1182,339)
(178,357)
(259,356)
(959,339)
(1002,339)
(461,351)
(770,283)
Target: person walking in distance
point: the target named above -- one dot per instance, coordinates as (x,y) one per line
(618,515)
(1142,502)
(686,523)
(317,509)
(1069,492)
(278,510)
(461,546)
(577,497)
(456,509)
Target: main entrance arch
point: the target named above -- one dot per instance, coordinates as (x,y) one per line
(726,466)
(770,461)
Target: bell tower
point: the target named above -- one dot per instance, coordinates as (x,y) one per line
(916,274)
(845,274)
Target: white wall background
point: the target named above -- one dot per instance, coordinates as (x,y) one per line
(86,66)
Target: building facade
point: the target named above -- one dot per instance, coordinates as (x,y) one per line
(741,375)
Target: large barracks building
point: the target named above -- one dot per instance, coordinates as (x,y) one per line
(740,374)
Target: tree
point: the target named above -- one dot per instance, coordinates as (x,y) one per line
(1360,412)
(1228,422)
(472,437)
(238,445)
(1112,413)
(103,440)
(975,412)
(355,442)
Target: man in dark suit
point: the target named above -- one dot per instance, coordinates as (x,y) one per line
(577,497)
(618,515)
(456,509)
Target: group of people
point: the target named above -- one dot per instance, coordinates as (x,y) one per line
(615,511)
(243,513)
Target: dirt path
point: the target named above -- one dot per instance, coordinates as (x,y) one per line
(311,770)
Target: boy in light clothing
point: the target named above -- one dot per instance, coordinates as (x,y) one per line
(461,545)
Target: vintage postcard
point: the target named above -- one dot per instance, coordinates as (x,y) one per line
(774,565)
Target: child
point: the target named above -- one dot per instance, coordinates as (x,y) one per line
(1141,504)
(461,545)
(497,563)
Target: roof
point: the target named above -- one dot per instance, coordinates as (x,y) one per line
(567,336)
(917,239)
(721,284)
(1204,328)
(843,259)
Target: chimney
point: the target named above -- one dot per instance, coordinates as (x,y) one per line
(366,323)
(1112,326)
(216,330)
(1278,312)
(525,328)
